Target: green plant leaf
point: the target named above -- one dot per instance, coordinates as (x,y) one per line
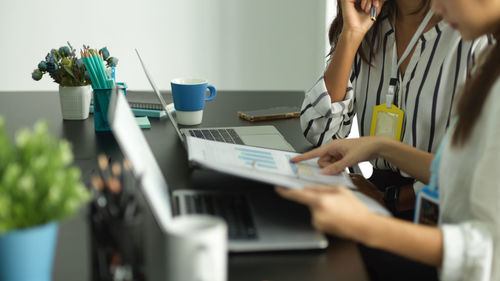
(38,183)
(69,71)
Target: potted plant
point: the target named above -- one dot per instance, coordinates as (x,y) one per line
(69,71)
(38,187)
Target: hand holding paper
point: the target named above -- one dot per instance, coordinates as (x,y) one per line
(336,156)
(261,164)
(269,166)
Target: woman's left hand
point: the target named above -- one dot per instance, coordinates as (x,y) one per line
(334,209)
(367,188)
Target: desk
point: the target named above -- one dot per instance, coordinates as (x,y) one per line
(341,261)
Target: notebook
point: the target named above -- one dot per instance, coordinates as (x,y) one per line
(260,136)
(257,221)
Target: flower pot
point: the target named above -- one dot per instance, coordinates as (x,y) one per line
(75,102)
(28,254)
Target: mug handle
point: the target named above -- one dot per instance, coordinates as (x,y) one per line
(213,92)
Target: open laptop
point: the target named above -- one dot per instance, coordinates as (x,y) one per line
(257,221)
(261,136)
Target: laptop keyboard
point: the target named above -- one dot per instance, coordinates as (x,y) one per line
(234,209)
(222,135)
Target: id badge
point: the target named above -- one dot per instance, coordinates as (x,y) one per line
(387,121)
(427,206)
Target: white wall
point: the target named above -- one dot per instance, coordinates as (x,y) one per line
(236,44)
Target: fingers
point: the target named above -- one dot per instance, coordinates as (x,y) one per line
(303,196)
(366,5)
(335,168)
(309,155)
(326,160)
(363,5)
(324,188)
(355,177)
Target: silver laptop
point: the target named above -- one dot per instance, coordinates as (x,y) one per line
(257,221)
(261,136)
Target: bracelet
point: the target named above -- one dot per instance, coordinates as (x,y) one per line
(391,197)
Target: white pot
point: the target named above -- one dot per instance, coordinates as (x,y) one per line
(75,102)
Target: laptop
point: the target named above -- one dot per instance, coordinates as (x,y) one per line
(260,136)
(257,221)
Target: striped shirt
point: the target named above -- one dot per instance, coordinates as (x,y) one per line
(437,68)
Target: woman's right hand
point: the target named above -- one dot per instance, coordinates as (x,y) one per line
(358,20)
(334,210)
(340,154)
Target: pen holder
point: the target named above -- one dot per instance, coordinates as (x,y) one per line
(116,246)
(101,104)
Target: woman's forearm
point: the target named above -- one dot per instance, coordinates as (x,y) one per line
(417,242)
(411,160)
(338,71)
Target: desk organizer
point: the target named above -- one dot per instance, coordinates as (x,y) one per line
(116,247)
(101,104)
(116,223)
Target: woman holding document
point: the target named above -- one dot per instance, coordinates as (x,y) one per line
(463,191)
(398,67)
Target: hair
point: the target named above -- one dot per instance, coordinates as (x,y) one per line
(476,90)
(371,38)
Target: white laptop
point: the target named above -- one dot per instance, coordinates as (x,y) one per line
(258,221)
(261,136)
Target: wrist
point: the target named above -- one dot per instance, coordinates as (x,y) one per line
(406,200)
(369,232)
(391,198)
(351,36)
(383,146)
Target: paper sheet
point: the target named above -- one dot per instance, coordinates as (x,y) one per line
(261,164)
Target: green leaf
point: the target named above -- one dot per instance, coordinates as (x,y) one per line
(37,182)
(69,71)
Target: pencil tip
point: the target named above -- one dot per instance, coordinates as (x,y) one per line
(97,183)
(116,169)
(102,161)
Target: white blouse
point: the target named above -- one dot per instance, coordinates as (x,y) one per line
(431,82)
(469,195)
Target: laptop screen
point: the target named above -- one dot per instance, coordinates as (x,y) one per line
(134,146)
(168,108)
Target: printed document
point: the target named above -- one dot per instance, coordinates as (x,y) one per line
(260,164)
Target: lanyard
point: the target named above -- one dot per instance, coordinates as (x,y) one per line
(394,72)
(433,182)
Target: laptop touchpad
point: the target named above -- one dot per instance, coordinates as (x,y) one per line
(267,141)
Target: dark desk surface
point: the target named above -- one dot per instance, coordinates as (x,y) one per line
(341,261)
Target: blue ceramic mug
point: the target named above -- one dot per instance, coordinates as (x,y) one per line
(189,96)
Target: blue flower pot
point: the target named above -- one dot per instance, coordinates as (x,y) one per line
(28,254)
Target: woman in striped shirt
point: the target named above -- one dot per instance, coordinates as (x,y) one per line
(364,57)
(462,175)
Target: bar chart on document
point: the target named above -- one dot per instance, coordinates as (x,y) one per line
(265,160)
(275,161)
(258,162)
(262,160)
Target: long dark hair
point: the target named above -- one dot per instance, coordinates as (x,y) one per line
(371,38)
(474,95)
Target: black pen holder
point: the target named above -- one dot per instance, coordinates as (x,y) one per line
(116,243)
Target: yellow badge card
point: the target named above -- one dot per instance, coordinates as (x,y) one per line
(387,121)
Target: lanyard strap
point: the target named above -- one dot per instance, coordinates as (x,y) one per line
(394,72)
(433,182)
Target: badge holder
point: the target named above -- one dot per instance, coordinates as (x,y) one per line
(427,199)
(387,119)
(427,206)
